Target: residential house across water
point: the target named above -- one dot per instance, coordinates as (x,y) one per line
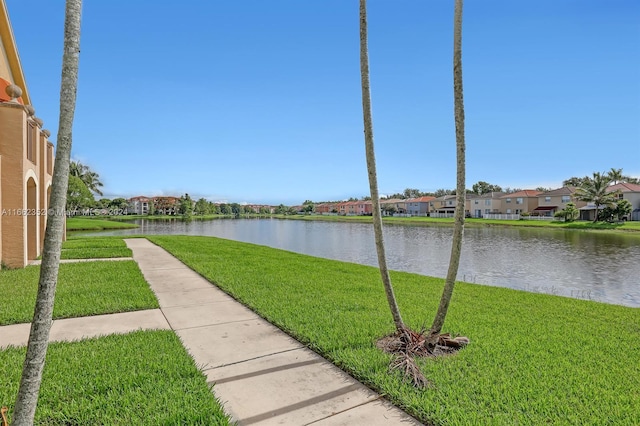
(553,201)
(625,191)
(519,202)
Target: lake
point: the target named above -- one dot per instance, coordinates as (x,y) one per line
(597,266)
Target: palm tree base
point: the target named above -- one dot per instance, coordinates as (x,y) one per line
(405,345)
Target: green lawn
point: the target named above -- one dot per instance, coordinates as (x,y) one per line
(88,288)
(88,224)
(533,358)
(95,248)
(141,378)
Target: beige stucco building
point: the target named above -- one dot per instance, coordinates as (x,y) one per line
(553,201)
(26,160)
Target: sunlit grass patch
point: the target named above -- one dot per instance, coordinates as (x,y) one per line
(94,242)
(141,378)
(533,358)
(88,288)
(87,224)
(95,253)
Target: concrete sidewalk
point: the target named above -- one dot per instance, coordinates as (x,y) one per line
(261,375)
(71,329)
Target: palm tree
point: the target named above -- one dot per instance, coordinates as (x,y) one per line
(91,179)
(456,247)
(615,175)
(76,168)
(31,378)
(595,190)
(371,168)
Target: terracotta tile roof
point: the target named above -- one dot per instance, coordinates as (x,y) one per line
(424,199)
(565,190)
(523,193)
(491,195)
(625,187)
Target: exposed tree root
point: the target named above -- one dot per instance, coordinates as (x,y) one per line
(407,344)
(407,365)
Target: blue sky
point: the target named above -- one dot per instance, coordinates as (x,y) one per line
(259,101)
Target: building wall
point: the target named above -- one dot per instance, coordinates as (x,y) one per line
(12,140)
(633,198)
(528,204)
(24,170)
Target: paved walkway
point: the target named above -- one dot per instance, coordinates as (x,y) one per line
(106,259)
(261,375)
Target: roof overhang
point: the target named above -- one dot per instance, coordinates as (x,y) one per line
(13,59)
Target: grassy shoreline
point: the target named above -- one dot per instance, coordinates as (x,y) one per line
(471,222)
(93,224)
(118,222)
(533,359)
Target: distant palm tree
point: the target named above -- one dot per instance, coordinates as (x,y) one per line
(37,345)
(91,179)
(595,190)
(615,175)
(633,180)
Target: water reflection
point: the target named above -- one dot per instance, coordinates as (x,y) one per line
(587,265)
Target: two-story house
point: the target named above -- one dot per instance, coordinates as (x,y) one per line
(555,200)
(489,203)
(446,205)
(624,191)
(631,193)
(519,202)
(419,206)
(392,206)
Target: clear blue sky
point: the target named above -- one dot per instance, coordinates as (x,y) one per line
(259,101)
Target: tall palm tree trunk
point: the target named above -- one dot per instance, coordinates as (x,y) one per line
(371,168)
(456,246)
(31,379)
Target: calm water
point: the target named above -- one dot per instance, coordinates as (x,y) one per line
(586,265)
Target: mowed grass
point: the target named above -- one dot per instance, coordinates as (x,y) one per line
(95,248)
(533,358)
(87,288)
(87,224)
(141,378)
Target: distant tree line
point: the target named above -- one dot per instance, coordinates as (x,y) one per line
(85,185)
